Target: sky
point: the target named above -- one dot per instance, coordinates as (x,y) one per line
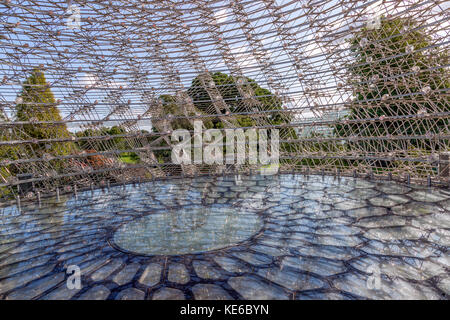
(316,35)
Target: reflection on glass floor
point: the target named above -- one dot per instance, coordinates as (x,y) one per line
(192,229)
(272,237)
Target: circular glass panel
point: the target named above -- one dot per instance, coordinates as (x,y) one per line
(189,230)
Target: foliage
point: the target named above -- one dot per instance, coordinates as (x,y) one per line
(96,161)
(227,87)
(38,104)
(114,141)
(129,157)
(395,73)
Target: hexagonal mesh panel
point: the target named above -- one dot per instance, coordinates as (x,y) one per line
(91,91)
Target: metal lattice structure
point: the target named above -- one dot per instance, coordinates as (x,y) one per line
(355,87)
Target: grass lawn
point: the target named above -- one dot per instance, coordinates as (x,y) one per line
(127,157)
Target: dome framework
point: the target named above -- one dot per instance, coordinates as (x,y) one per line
(359,88)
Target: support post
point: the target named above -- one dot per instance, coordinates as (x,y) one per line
(18,203)
(24,188)
(444,165)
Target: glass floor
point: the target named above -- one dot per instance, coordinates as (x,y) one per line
(233,237)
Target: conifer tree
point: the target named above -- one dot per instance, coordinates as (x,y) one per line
(38,104)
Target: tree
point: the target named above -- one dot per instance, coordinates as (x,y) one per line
(256,99)
(115,143)
(396,76)
(227,87)
(37,103)
(7,153)
(169,108)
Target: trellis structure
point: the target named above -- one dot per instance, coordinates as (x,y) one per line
(357,87)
